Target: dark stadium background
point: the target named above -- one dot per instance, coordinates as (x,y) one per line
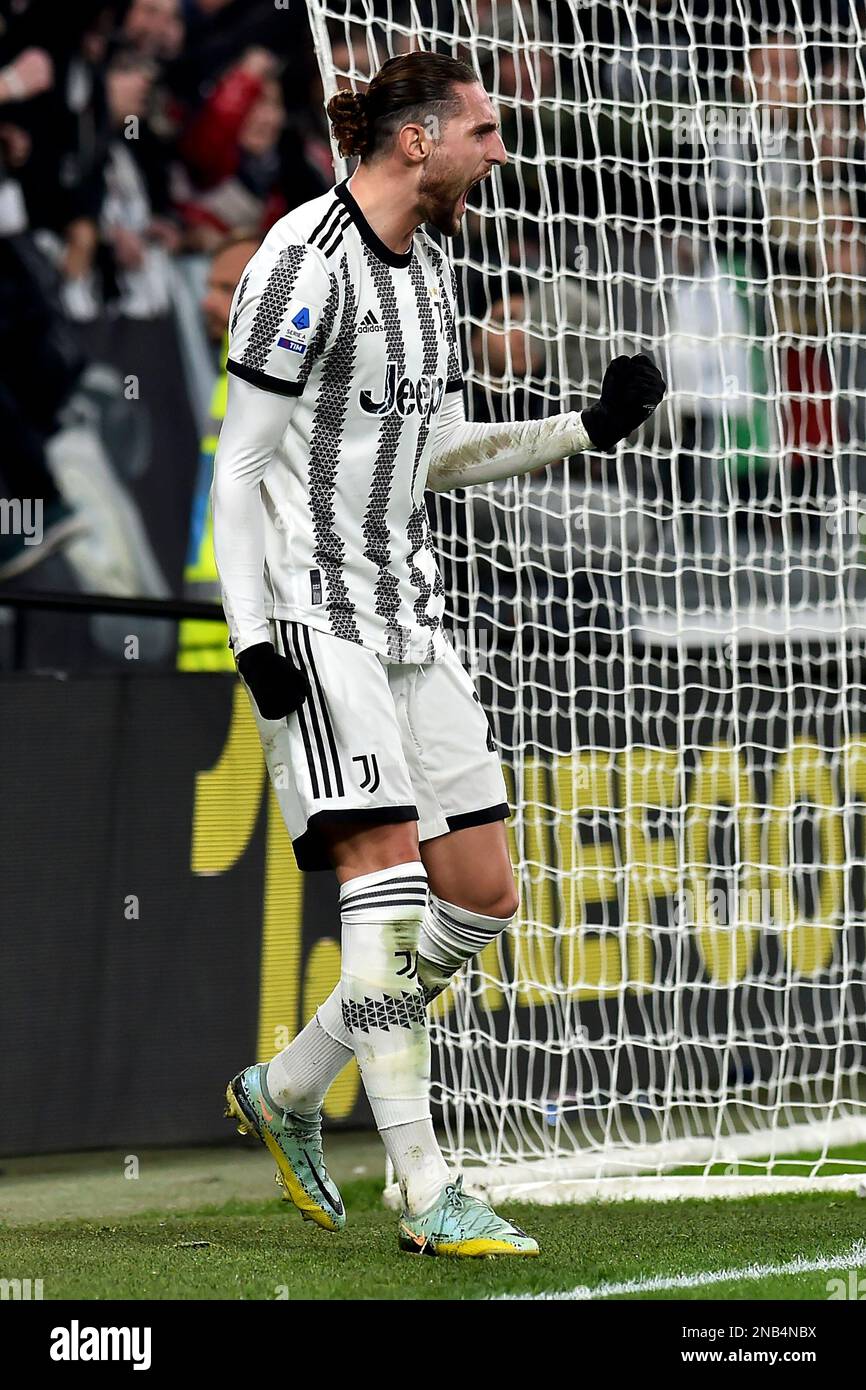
(153,925)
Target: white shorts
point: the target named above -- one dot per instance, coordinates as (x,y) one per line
(378,742)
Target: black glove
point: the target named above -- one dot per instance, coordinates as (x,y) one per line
(275,683)
(630,392)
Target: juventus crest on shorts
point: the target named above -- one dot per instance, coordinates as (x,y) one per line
(366,339)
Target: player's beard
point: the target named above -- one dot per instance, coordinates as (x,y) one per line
(439,195)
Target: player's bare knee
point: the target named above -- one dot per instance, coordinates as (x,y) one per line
(501,901)
(359,848)
(506,904)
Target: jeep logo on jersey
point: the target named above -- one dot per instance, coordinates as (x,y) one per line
(405,396)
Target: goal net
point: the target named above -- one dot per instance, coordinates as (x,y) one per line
(669,640)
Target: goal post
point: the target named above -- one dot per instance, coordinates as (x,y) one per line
(669,641)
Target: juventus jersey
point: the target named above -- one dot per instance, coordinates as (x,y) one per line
(365,338)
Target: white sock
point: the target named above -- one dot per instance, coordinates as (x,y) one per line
(298,1077)
(384,1010)
(418,1162)
(450,936)
(383,1005)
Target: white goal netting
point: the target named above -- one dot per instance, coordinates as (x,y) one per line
(669,640)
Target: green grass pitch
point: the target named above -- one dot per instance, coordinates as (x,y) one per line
(262,1250)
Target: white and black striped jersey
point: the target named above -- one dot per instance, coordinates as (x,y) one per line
(365,339)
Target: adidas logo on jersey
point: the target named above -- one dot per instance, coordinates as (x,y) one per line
(369,323)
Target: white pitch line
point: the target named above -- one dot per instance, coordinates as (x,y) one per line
(851,1258)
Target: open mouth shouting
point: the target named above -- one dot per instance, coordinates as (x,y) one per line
(464,196)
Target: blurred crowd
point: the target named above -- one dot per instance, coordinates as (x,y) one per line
(136,129)
(692,187)
(705,205)
(690,183)
(135,137)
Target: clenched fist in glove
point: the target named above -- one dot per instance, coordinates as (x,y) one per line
(275,683)
(630,392)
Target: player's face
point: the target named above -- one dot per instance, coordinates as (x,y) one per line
(468,147)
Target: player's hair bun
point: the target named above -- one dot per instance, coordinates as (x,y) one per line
(408,88)
(348,116)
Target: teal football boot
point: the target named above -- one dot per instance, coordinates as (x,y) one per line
(295,1143)
(460,1225)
